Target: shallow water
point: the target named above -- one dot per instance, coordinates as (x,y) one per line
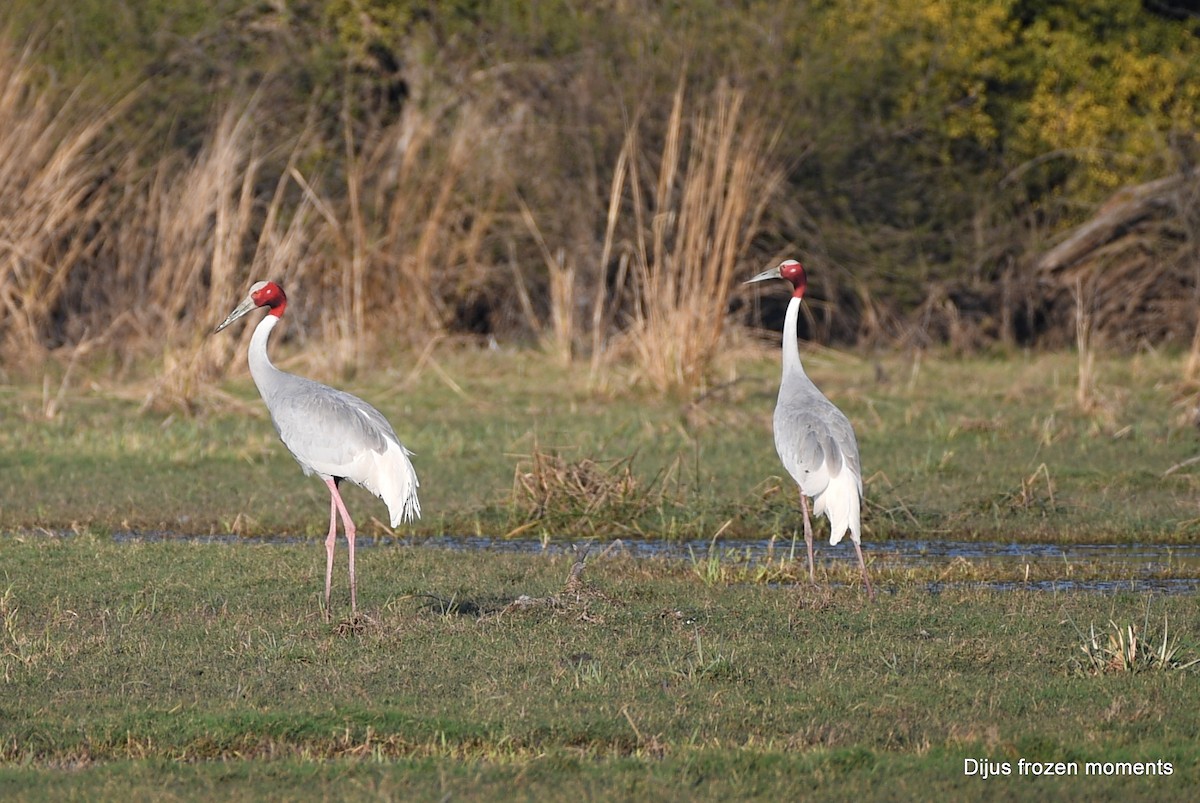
(1158,585)
(920,553)
(1138,564)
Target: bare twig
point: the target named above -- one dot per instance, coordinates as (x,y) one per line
(1181,464)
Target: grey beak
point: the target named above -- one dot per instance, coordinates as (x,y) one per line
(246,305)
(769,273)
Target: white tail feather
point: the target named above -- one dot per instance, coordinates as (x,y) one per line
(393,480)
(840,502)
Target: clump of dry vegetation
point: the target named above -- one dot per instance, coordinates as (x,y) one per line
(692,225)
(54,212)
(206,241)
(1132,649)
(402,244)
(586,493)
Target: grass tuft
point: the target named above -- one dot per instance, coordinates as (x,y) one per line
(587,493)
(1130,649)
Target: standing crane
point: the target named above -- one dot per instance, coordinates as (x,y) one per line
(331,433)
(814,438)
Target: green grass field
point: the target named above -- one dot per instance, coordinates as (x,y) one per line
(185,670)
(963,449)
(177,669)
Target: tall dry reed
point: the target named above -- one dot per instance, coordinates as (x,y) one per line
(212,237)
(53,201)
(422,200)
(558,338)
(691,225)
(418,228)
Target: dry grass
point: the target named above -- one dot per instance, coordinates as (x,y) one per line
(391,257)
(211,241)
(1132,649)
(586,493)
(426,230)
(97,247)
(421,202)
(691,226)
(1085,348)
(557,338)
(53,201)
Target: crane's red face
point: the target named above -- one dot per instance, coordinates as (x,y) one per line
(269,294)
(262,294)
(790,270)
(793,271)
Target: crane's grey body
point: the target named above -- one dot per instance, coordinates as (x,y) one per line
(814,439)
(816,443)
(335,434)
(331,433)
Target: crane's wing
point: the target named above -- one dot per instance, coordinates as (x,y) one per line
(816,444)
(336,434)
(328,429)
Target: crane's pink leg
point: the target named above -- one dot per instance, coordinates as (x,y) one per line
(862,564)
(330,543)
(348,526)
(808,538)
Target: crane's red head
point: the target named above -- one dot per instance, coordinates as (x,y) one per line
(788,269)
(262,294)
(270,295)
(793,271)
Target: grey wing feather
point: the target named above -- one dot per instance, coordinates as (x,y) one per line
(811,452)
(320,424)
(811,432)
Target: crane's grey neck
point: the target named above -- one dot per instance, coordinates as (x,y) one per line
(791,350)
(261,367)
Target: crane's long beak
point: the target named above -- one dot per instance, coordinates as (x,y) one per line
(769,273)
(246,305)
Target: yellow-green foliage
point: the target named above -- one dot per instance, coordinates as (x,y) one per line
(1106,83)
(944,55)
(1109,88)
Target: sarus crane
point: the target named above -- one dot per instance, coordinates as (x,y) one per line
(814,438)
(331,433)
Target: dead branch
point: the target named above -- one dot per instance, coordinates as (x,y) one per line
(1124,209)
